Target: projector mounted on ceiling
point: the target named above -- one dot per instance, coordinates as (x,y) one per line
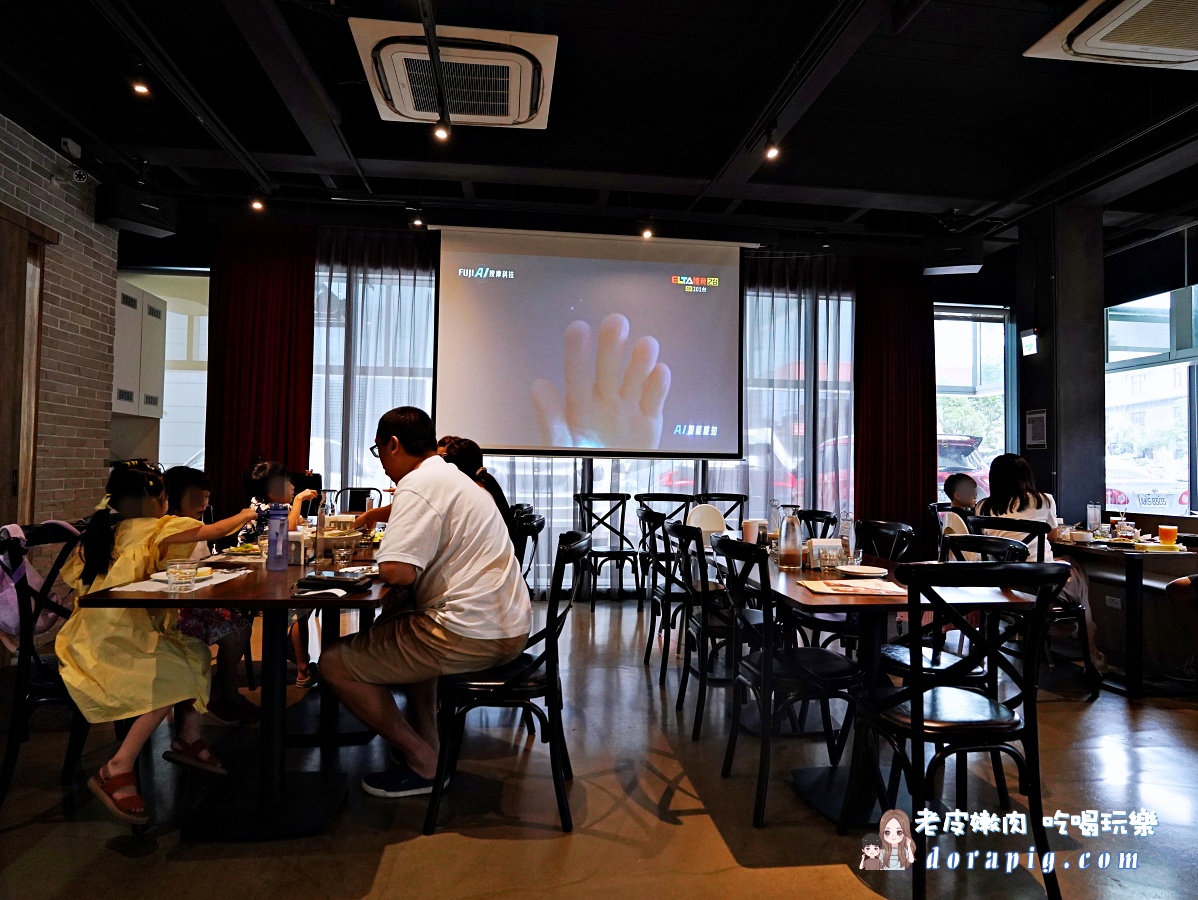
(1161,33)
(497,78)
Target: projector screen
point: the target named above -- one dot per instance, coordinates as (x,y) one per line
(589,345)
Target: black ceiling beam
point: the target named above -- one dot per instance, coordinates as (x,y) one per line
(428,18)
(279,54)
(838,37)
(1148,170)
(126,23)
(282,163)
(1005,208)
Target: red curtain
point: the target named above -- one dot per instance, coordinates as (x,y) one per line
(260,324)
(895,396)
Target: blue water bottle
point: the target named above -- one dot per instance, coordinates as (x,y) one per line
(276,531)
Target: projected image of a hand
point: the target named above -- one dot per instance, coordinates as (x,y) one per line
(608,403)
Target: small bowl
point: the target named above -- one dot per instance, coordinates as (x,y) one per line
(1081,537)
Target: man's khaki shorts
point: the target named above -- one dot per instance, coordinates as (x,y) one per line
(414,648)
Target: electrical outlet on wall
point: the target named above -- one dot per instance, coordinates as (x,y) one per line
(1114,602)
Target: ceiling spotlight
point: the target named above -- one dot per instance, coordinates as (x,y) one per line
(417,221)
(441,130)
(772,150)
(647,233)
(416,217)
(140,87)
(257,205)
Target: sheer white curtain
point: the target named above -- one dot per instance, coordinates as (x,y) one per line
(798,386)
(373,346)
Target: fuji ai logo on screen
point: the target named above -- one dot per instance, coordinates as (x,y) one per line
(485,272)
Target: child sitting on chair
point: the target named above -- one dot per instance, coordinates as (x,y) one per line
(189,491)
(134,663)
(271,483)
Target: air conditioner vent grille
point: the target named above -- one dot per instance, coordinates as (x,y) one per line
(128,301)
(474,89)
(124,395)
(153,312)
(1163,23)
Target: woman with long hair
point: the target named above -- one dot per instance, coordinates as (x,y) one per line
(1014,495)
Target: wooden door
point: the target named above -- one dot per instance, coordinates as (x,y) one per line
(22,262)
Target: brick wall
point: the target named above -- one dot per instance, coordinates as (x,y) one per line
(75,397)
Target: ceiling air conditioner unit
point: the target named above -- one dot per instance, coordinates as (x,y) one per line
(498,78)
(1127,32)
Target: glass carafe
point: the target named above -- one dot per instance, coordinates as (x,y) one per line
(790,543)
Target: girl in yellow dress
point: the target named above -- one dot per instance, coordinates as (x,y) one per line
(134,663)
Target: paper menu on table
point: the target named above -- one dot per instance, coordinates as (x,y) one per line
(856,586)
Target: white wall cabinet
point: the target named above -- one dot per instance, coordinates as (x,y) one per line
(139,352)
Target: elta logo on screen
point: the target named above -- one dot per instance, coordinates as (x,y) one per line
(695,284)
(484,272)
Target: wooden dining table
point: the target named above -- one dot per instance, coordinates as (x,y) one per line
(826,788)
(276,803)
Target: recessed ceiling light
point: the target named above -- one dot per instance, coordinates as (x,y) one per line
(647,233)
(257,206)
(441,130)
(771,152)
(140,87)
(418,221)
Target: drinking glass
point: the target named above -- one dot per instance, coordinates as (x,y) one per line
(264,546)
(181,574)
(1127,529)
(858,555)
(1167,534)
(342,556)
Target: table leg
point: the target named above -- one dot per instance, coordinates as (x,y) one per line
(1133,618)
(847,795)
(276,804)
(271,762)
(333,726)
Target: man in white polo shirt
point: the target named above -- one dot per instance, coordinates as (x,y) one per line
(447,540)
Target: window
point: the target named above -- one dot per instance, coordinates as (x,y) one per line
(1138,329)
(1150,404)
(971,391)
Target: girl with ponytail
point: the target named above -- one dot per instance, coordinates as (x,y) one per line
(134,663)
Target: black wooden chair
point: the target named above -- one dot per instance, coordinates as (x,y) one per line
(516,685)
(707,617)
(38,683)
(1036,534)
(353,499)
(659,582)
(672,506)
(612,545)
(814,523)
(960,721)
(789,674)
(885,540)
(939,665)
(731,506)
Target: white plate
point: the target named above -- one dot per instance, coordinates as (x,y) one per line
(163,577)
(862,571)
(358,570)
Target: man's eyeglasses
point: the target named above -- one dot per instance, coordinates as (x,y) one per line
(374,450)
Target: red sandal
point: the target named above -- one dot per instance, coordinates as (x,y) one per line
(185,754)
(131,808)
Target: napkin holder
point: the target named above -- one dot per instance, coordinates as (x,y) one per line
(818,545)
(299,548)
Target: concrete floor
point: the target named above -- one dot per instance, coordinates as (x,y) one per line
(652,816)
